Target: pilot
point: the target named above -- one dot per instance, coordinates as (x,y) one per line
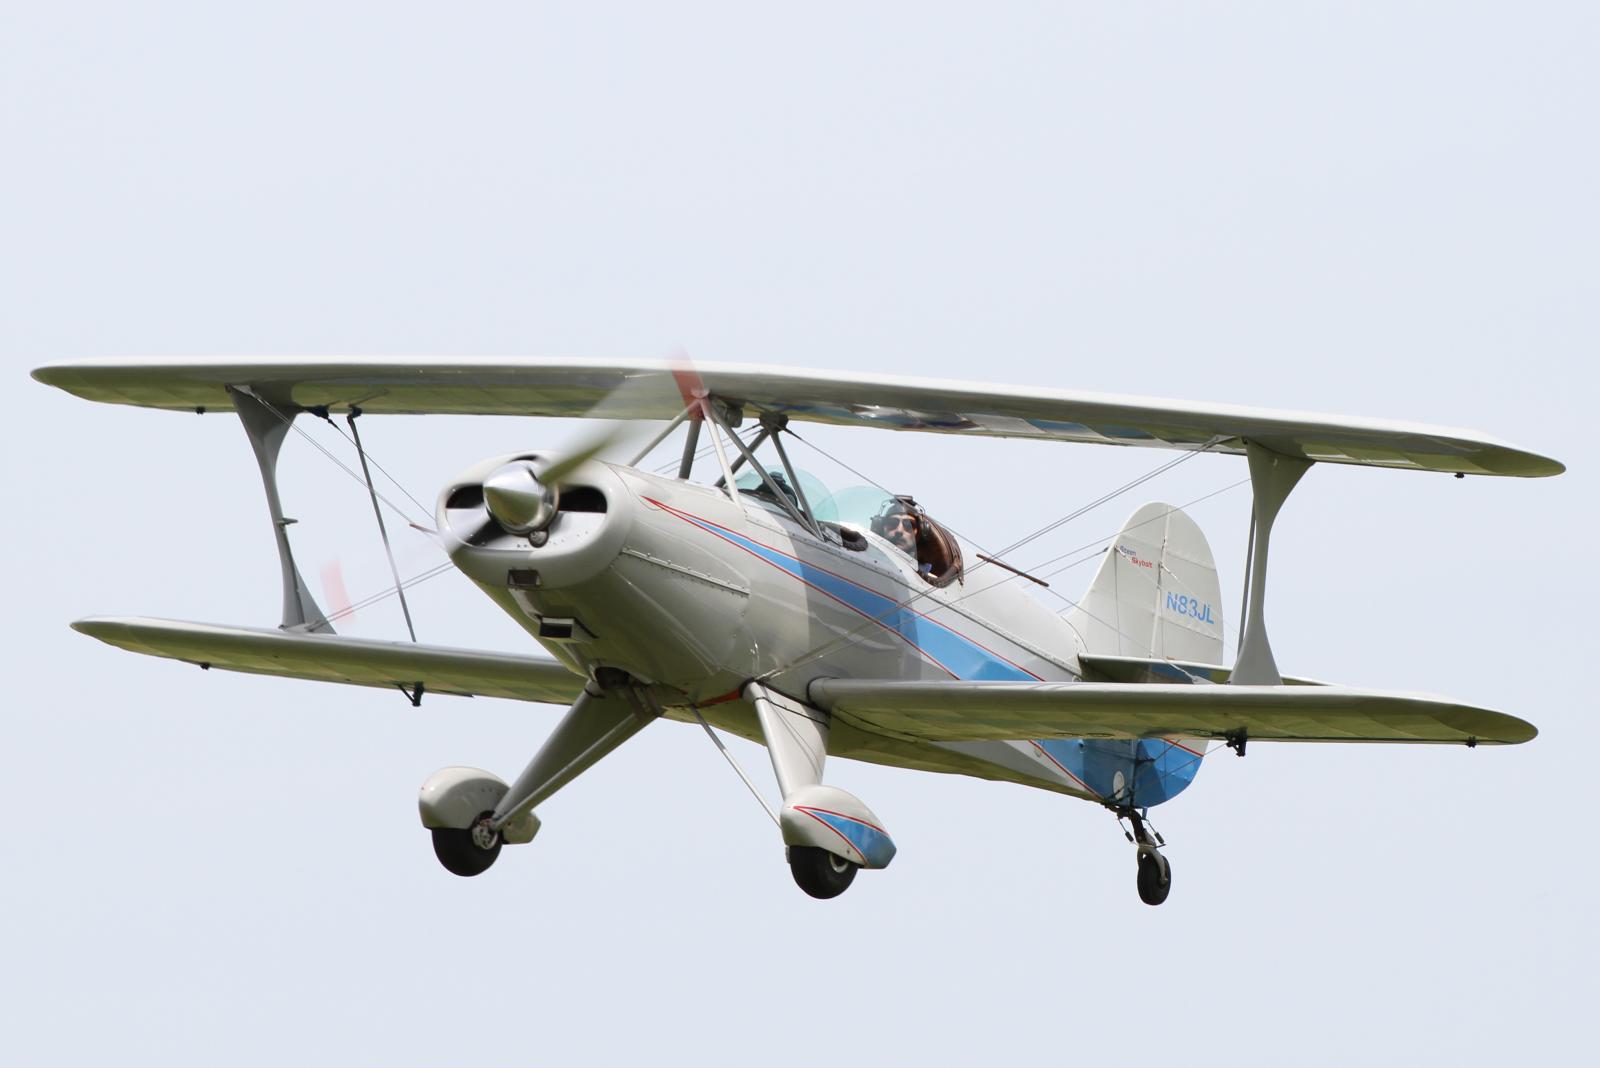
(898,526)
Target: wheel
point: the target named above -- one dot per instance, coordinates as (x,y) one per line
(820,873)
(464,852)
(1155,878)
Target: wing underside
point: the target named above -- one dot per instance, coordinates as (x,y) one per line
(1156,669)
(1017,711)
(938,711)
(658,390)
(331,658)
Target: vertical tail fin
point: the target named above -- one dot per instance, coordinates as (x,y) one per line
(1156,594)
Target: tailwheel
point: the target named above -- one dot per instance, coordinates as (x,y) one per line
(819,872)
(1155,874)
(467,852)
(1155,877)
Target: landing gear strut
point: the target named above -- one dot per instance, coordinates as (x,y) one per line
(1155,873)
(471,813)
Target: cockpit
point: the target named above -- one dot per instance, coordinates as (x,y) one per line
(850,513)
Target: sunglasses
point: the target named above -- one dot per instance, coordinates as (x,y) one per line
(895,522)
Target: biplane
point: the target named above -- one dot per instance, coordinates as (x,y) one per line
(732,590)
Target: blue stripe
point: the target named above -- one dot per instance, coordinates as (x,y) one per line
(1153,769)
(874,846)
(961,656)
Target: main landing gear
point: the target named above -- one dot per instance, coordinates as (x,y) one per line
(471,813)
(828,834)
(1155,872)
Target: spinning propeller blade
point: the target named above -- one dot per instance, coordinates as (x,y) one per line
(521,497)
(610,442)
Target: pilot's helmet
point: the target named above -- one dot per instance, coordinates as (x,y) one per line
(893,510)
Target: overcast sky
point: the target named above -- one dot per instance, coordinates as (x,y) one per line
(1375,209)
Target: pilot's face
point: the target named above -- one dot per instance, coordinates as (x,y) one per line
(901,530)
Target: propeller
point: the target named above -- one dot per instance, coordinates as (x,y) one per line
(524,495)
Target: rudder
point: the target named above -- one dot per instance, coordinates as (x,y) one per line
(1156,594)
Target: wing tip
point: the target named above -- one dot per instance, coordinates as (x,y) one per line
(49,375)
(1517,731)
(103,628)
(1535,465)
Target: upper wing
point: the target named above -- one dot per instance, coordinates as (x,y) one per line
(330,658)
(529,386)
(1017,711)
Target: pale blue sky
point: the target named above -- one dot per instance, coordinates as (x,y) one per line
(1376,209)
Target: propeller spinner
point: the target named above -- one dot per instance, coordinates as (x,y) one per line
(518,500)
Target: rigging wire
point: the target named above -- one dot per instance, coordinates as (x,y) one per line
(1098,545)
(383,531)
(859,632)
(877,485)
(381,470)
(971,541)
(1109,496)
(289,422)
(365,478)
(367,602)
(705,450)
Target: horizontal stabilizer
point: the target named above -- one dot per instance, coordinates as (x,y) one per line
(332,658)
(519,385)
(1018,711)
(1145,669)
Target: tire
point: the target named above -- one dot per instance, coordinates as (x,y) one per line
(460,855)
(1155,878)
(820,873)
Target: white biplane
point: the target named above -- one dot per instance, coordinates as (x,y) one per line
(819,624)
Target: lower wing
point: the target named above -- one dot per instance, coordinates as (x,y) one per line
(1014,711)
(332,658)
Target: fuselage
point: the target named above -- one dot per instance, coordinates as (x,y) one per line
(687,589)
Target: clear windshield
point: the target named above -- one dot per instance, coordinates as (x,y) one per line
(857,505)
(852,506)
(817,494)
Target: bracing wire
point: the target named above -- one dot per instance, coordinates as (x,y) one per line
(365,478)
(704,451)
(383,531)
(1098,544)
(857,633)
(289,422)
(369,601)
(381,470)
